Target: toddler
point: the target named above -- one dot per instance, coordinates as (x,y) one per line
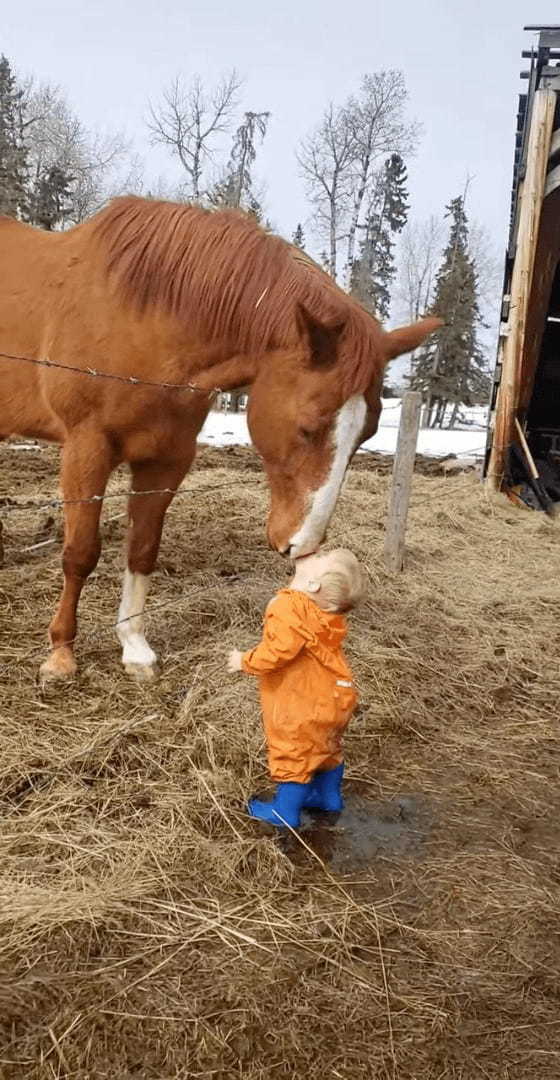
(306,685)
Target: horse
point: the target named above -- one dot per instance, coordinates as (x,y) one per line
(114,336)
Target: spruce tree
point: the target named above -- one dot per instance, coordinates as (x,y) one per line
(450,370)
(235,189)
(372,273)
(51,200)
(298,239)
(13,155)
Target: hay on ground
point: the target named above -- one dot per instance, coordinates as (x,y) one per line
(150,930)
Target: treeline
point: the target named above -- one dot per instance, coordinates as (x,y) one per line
(54,173)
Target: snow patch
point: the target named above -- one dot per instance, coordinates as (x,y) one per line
(230,429)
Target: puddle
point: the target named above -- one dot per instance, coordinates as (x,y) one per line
(363,832)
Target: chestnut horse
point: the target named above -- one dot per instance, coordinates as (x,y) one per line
(176,294)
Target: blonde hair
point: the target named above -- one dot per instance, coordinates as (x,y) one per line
(344,588)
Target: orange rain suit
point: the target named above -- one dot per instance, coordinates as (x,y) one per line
(306,686)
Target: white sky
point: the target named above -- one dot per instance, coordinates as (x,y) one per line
(461,63)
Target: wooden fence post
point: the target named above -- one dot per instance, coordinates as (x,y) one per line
(403,469)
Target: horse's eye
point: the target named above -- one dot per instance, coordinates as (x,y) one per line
(307,434)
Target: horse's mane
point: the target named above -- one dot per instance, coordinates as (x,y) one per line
(231,280)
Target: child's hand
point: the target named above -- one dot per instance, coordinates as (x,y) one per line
(234,661)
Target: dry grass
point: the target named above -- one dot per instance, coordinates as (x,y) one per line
(149,929)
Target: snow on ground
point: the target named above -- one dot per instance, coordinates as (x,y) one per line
(229,429)
(225,429)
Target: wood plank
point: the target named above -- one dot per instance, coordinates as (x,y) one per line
(511,346)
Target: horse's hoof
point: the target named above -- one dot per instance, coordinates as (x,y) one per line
(59,665)
(142,672)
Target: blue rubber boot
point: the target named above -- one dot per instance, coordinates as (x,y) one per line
(285,808)
(325,791)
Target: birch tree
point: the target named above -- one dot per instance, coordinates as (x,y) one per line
(340,159)
(326,159)
(378,127)
(419,251)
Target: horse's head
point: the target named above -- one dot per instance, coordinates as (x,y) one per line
(306,426)
(307,417)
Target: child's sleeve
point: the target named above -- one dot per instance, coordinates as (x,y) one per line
(281,642)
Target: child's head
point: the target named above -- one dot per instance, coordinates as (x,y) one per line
(334,579)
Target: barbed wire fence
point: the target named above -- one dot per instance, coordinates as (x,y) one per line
(10,504)
(129,380)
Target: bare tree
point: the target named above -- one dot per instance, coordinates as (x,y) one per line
(488,263)
(340,160)
(57,139)
(190,118)
(420,248)
(418,258)
(377,126)
(326,159)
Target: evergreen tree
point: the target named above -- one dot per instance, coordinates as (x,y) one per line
(395,193)
(298,239)
(235,189)
(221,194)
(372,273)
(244,153)
(255,209)
(51,200)
(451,370)
(13,155)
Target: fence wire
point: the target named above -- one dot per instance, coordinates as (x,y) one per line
(129,380)
(8,504)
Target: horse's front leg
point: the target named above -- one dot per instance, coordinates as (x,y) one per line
(86,464)
(146,515)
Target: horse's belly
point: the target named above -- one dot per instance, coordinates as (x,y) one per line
(23,410)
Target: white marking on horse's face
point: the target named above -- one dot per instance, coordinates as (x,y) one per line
(130,625)
(348,428)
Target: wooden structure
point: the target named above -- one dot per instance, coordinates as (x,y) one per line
(403,470)
(526,390)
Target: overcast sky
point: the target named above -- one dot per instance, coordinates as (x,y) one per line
(461,63)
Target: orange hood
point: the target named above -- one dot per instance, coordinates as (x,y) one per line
(326,628)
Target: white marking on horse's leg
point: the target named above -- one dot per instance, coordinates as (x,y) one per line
(130,626)
(347,431)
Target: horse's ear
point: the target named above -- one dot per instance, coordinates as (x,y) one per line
(322,336)
(230,374)
(407,338)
